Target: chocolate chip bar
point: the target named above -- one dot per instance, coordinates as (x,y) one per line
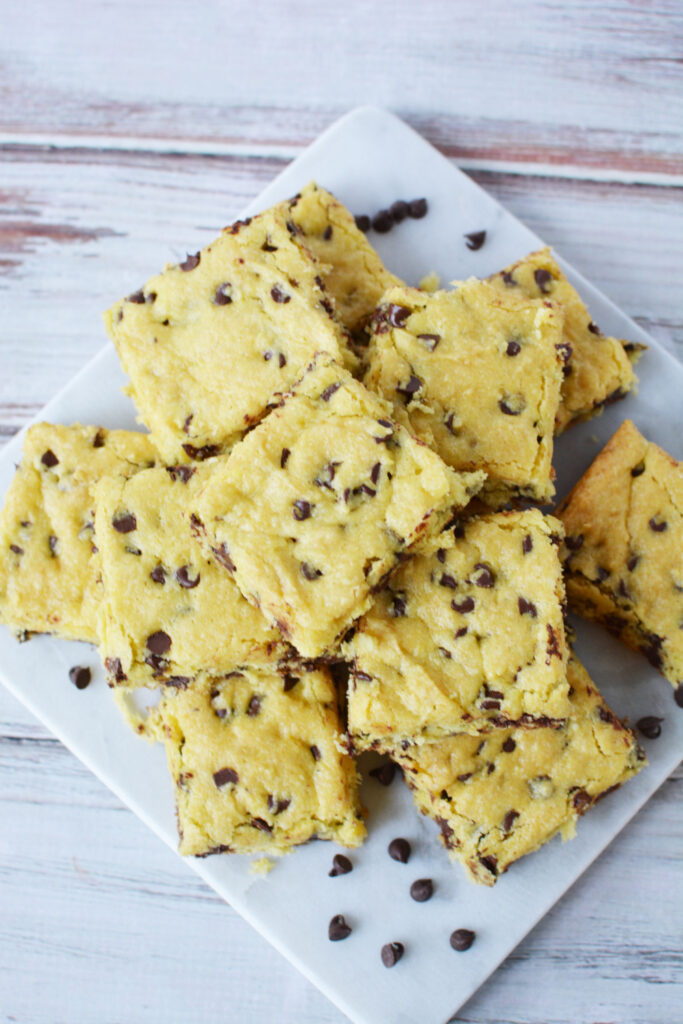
(467,638)
(476,375)
(49,570)
(624,547)
(209,342)
(256,761)
(501,796)
(320,502)
(598,370)
(188,614)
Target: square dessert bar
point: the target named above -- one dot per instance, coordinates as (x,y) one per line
(598,369)
(49,568)
(467,638)
(320,502)
(354,274)
(475,374)
(501,796)
(209,342)
(189,614)
(257,763)
(624,548)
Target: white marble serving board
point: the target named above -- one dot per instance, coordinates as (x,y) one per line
(369,158)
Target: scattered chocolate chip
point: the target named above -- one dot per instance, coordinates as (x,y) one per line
(509,820)
(411,388)
(341,865)
(527,544)
(282,360)
(399,210)
(392,953)
(276,805)
(206,451)
(509,745)
(52,543)
(632,562)
(650,726)
(460,632)
(461,939)
(363,222)
(49,459)
(430,341)
(398,607)
(302,510)
(593,328)
(375,471)
(115,669)
(222,555)
(98,439)
(513,348)
(159,642)
(441,555)
(278,295)
(222,296)
(485,576)
(475,240)
(490,863)
(417,208)
(383,222)
(399,849)
(638,470)
(137,297)
(16,549)
(657,525)
(466,605)
(309,572)
(526,607)
(330,390)
(125,523)
(191,262)
(80,676)
(290,682)
(182,473)
(338,929)
(397,315)
(158,574)
(448,581)
(581,800)
(254,706)
(573,543)
(542,277)
(315,752)
(225,775)
(184,579)
(508,279)
(261,825)
(422,890)
(513,405)
(385,773)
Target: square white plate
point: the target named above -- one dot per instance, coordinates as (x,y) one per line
(369,158)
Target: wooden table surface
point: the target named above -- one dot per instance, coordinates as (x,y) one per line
(129,133)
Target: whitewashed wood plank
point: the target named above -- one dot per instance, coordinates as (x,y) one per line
(594,85)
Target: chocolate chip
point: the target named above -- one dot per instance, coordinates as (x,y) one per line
(222,296)
(466,605)
(49,459)
(182,473)
(573,543)
(225,775)
(222,555)
(513,348)
(383,222)
(678,695)
(290,682)
(282,360)
(475,240)
(206,451)
(461,939)
(657,525)
(508,279)
(363,222)
(399,849)
(399,210)
(277,806)
(638,470)
(632,562)
(397,608)
(190,262)
(278,295)
(52,544)
(593,328)
(397,315)
(650,726)
(490,863)
(302,510)
(422,890)
(513,405)
(411,388)
(99,439)
(184,579)
(125,523)
(315,752)
(330,390)
(186,424)
(527,544)
(341,865)
(16,549)
(385,773)
(417,208)
(526,607)
(159,642)
(261,825)
(460,632)
(430,341)
(80,676)
(254,706)
(485,577)
(158,574)
(137,297)
(268,246)
(392,953)
(448,581)
(581,800)
(509,820)
(338,929)
(309,572)
(509,745)
(542,277)
(115,669)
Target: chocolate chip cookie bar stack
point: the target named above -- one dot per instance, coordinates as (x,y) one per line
(333,474)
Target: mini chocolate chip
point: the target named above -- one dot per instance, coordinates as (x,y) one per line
(158,574)
(191,262)
(309,572)
(638,470)
(581,800)
(222,296)
(430,341)
(115,669)
(52,544)
(411,388)
(490,863)
(277,806)
(397,608)
(509,820)
(422,890)
(302,510)
(657,526)
(383,222)
(49,459)
(206,451)
(392,953)
(399,210)
(341,865)
(632,562)
(466,605)
(363,222)
(278,295)
(385,773)
(399,849)
(159,642)
(290,682)
(513,405)
(650,726)
(513,348)
(254,706)
(461,939)
(573,543)
(125,523)
(542,277)
(375,471)
(527,544)
(282,360)
(182,473)
(509,745)
(485,577)
(284,455)
(137,297)
(460,632)
(417,208)
(16,549)
(184,579)
(222,555)
(261,825)
(475,240)
(80,676)
(338,929)
(448,581)
(526,607)
(397,315)
(330,390)
(508,279)
(131,550)
(225,775)
(99,439)
(593,328)
(315,752)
